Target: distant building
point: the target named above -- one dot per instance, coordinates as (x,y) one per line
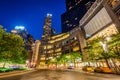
(48,31)
(20,30)
(27,38)
(35,55)
(75,11)
(31,41)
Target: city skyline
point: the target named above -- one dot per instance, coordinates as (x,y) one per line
(86,44)
(31,15)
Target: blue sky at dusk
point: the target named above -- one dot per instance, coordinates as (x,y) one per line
(31,14)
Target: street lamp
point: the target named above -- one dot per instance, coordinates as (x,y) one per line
(104,45)
(108,38)
(105,48)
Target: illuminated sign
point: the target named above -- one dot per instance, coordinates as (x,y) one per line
(49,14)
(20,27)
(14,31)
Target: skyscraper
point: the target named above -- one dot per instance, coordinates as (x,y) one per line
(75,11)
(31,42)
(20,30)
(47,30)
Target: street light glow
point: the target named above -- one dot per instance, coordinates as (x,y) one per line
(101,42)
(14,31)
(108,38)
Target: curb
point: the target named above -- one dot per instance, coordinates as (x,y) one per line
(15,73)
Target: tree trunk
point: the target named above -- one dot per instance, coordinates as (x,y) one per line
(116,68)
(56,65)
(74,64)
(64,65)
(102,64)
(96,64)
(4,64)
(88,63)
(107,62)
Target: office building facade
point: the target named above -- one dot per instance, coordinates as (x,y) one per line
(63,43)
(102,19)
(20,30)
(35,55)
(48,32)
(75,11)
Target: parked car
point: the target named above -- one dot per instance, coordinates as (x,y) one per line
(106,70)
(88,68)
(71,67)
(97,69)
(103,70)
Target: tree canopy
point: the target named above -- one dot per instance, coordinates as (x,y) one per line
(11,47)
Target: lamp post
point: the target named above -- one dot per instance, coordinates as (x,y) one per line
(105,48)
(104,44)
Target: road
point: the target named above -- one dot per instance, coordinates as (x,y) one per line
(62,75)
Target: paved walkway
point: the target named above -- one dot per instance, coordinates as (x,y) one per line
(14,73)
(22,73)
(62,75)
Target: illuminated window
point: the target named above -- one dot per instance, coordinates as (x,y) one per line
(66,21)
(67,24)
(59,53)
(49,46)
(42,58)
(114,2)
(57,50)
(70,7)
(110,30)
(50,51)
(74,25)
(44,47)
(14,31)
(57,45)
(70,25)
(60,38)
(76,18)
(76,48)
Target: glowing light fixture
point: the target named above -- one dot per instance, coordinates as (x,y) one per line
(14,31)
(108,38)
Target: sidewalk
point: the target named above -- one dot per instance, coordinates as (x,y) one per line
(92,73)
(14,73)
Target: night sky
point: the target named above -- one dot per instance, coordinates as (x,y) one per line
(31,14)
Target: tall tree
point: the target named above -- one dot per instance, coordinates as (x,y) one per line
(11,47)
